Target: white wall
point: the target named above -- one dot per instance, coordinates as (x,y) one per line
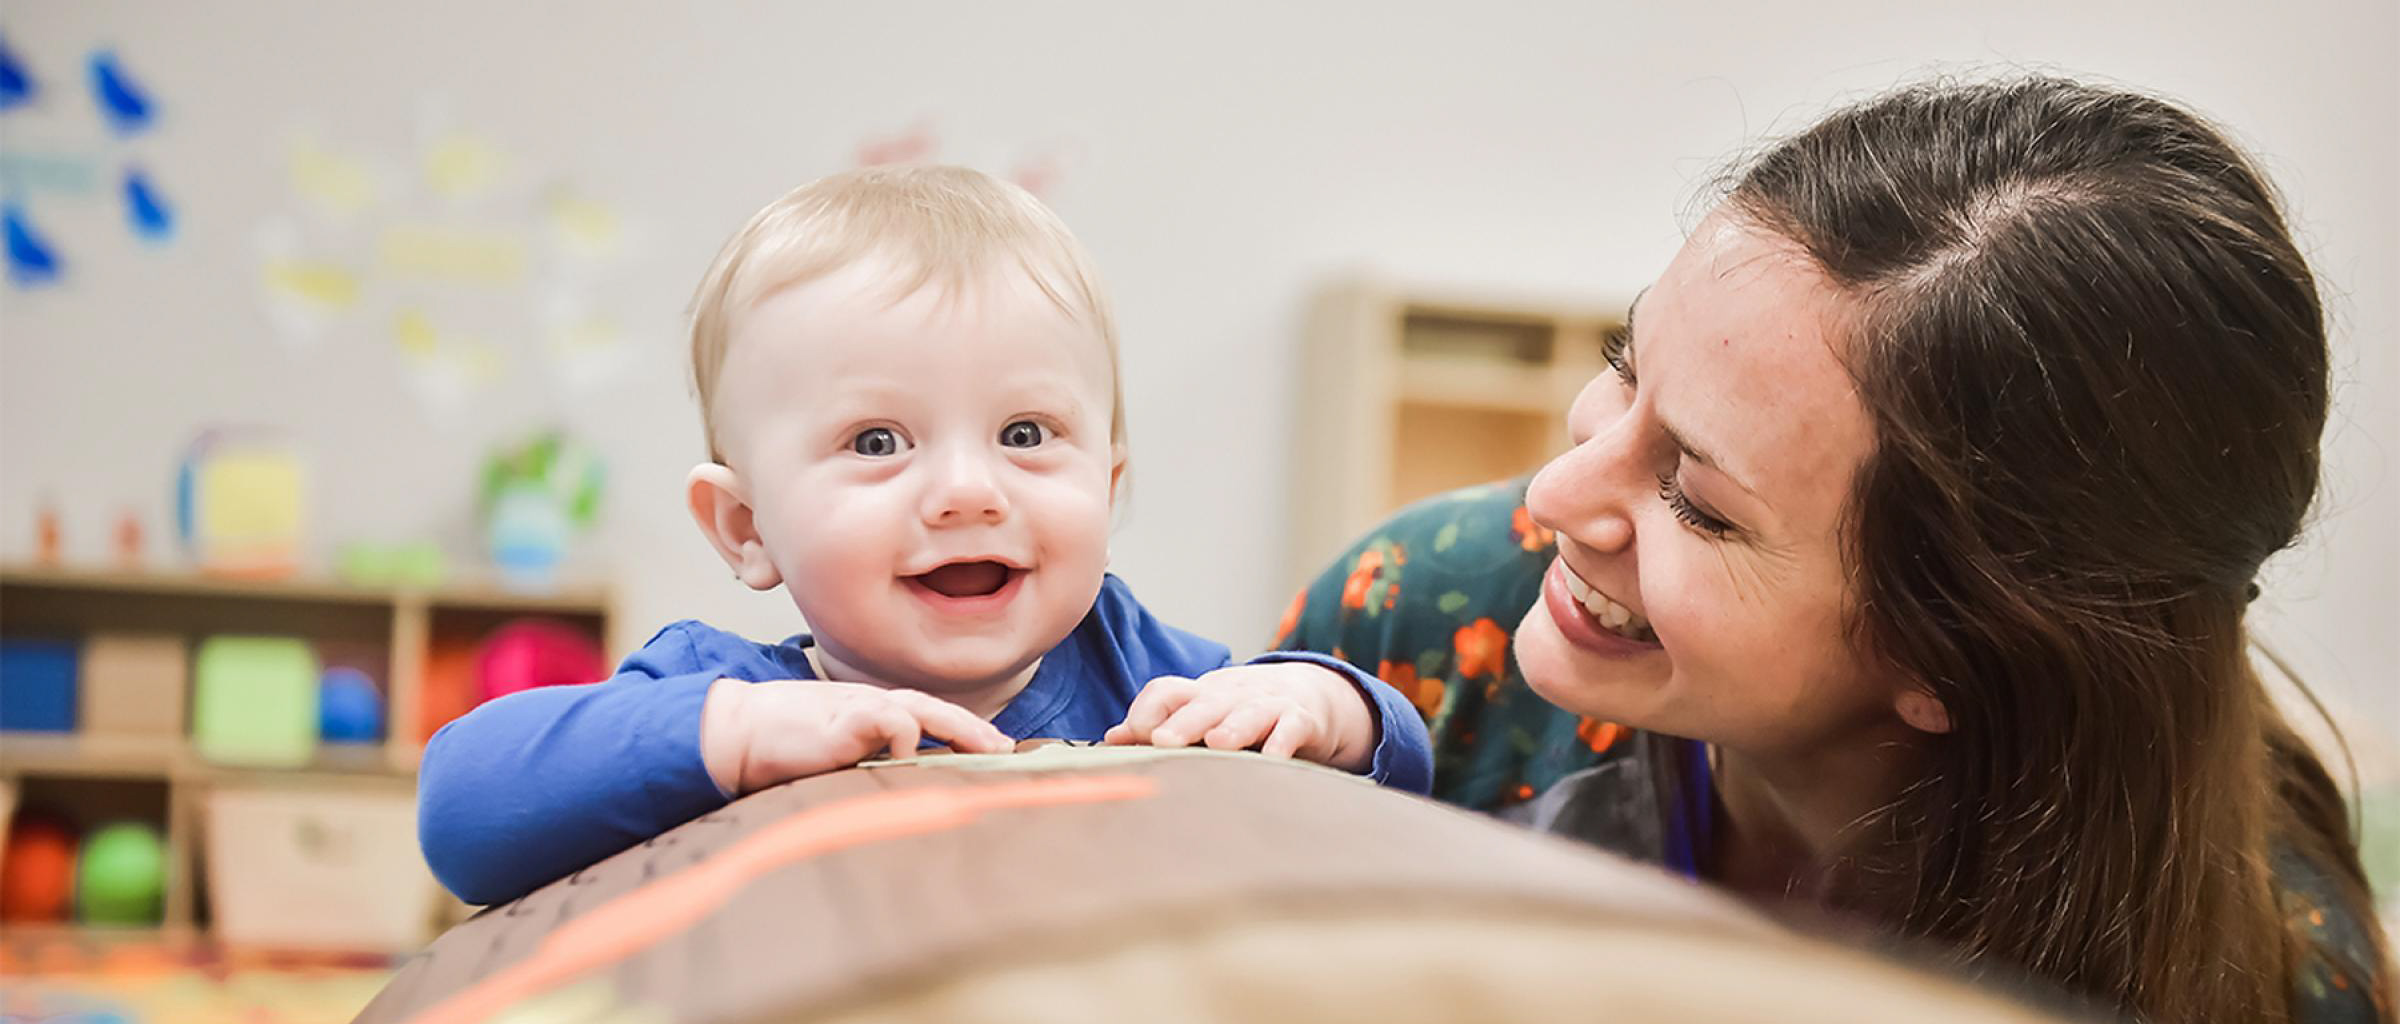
(1223,157)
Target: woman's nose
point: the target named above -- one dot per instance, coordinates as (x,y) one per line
(963,490)
(1586,493)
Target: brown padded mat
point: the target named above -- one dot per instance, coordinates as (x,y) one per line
(788,905)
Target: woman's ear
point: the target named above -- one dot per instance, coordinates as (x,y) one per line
(715,495)
(1922,711)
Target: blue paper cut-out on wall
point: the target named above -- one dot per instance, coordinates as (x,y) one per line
(29,260)
(15,85)
(127,109)
(146,210)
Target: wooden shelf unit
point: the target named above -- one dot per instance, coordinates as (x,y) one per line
(100,777)
(1407,393)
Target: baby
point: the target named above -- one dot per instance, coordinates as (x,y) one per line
(908,378)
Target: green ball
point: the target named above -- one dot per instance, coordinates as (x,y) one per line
(122,878)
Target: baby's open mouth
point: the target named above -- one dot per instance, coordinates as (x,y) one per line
(967,579)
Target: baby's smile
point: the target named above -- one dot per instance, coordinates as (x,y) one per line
(967,586)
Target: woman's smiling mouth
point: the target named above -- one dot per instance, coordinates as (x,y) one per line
(1590,619)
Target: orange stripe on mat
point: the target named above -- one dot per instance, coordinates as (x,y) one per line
(628,924)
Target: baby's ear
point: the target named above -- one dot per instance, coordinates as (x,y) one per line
(715,494)
(1116,472)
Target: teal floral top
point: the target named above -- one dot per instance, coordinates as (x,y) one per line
(1429,601)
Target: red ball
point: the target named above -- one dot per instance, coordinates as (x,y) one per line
(37,872)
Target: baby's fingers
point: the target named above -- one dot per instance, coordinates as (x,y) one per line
(1159,700)
(964,730)
(1194,719)
(1292,732)
(1243,727)
(881,724)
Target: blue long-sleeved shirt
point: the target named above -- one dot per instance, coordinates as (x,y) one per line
(538,784)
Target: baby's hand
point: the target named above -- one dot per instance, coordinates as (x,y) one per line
(1285,709)
(754,735)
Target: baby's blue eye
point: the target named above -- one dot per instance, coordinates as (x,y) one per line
(876,442)
(1023,434)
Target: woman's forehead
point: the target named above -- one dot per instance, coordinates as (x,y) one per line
(1740,339)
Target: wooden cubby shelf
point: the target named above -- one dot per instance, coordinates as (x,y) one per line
(393,634)
(1407,393)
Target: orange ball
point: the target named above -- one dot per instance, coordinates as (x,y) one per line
(37,873)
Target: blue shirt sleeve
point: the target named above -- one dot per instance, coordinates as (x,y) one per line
(537,784)
(1403,748)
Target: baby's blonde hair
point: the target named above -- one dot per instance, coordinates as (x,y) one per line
(941,226)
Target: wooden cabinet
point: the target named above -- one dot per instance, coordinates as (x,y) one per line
(397,637)
(1406,393)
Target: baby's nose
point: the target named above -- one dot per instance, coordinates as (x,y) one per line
(961,494)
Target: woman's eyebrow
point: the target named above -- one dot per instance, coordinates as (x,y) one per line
(1701,456)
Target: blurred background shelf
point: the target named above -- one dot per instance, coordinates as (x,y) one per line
(128,747)
(1472,388)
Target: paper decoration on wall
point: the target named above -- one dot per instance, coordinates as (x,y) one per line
(445,370)
(122,102)
(327,287)
(585,227)
(152,219)
(67,174)
(461,167)
(456,254)
(1038,173)
(30,261)
(127,110)
(15,85)
(915,145)
(331,183)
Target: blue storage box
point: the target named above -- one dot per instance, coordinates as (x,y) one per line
(37,684)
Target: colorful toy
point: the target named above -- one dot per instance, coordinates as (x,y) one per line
(537,652)
(37,685)
(240,503)
(128,539)
(49,543)
(418,564)
(450,687)
(535,497)
(254,701)
(122,876)
(132,684)
(37,874)
(349,708)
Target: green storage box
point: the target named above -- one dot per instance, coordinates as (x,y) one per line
(254,701)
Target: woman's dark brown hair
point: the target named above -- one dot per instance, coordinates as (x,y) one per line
(2098,369)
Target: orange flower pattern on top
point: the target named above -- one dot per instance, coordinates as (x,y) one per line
(1426,694)
(1530,535)
(1291,619)
(1374,581)
(1482,649)
(1599,735)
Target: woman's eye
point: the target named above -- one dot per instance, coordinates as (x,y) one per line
(1670,490)
(877,442)
(1023,434)
(1614,350)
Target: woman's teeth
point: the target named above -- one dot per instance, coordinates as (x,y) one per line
(1614,617)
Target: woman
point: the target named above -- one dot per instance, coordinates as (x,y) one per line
(1901,561)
